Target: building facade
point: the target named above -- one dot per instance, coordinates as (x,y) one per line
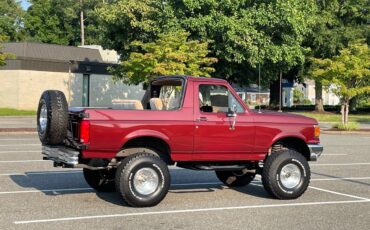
(81,73)
(251,95)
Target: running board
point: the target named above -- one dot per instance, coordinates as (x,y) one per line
(220,167)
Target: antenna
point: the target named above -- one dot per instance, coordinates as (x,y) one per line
(259,81)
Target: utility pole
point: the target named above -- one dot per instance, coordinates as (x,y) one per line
(280,93)
(82,24)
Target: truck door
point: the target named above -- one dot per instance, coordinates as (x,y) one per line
(215,138)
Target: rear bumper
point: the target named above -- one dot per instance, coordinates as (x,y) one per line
(60,154)
(315,151)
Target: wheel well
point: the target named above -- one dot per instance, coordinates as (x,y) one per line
(160,147)
(297,144)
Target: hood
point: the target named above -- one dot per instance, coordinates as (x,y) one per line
(279,117)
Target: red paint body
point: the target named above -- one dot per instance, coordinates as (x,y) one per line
(193,140)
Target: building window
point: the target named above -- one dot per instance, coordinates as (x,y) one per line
(86,90)
(242,96)
(253,97)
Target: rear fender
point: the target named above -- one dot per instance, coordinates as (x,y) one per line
(144,133)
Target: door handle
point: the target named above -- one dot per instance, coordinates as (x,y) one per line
(202,119)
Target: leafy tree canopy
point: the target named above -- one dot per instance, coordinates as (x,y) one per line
(338,23)
(347,74)
(4,56)
(11,17)
(171,54)
(244,32)
(58,22)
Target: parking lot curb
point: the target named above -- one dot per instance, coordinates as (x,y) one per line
(345,132)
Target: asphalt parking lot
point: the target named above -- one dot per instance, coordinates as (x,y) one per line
(34,195)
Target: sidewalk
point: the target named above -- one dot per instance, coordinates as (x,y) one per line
(329,125)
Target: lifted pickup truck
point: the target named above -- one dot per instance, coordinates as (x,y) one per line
(193,123)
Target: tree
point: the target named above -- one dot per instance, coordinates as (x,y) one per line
(126,21)
(4,56)
(170,54)
(11,19)
(337,23)
(58,22)
(346,74)
(243,33)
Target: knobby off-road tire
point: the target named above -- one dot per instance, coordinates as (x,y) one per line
(143,180)
(52,117)
(235,178)
(100,180)
(286,174)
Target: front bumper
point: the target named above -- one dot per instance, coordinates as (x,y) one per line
(315,151)
(60,154)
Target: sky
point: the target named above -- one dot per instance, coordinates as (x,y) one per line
(25,4)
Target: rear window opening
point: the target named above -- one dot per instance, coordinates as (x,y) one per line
(162,94)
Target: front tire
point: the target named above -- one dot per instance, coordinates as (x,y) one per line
(143,180)
(286,174)
(235,178)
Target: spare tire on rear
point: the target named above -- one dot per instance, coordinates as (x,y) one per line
(52,117)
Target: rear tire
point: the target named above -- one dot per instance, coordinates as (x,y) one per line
(235,178)
(52,117)
(286,174)
(143,180)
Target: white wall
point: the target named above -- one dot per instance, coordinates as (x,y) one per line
(21,89)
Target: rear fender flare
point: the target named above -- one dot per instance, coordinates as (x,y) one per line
(145,133)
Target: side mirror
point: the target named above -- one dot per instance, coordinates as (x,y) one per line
(232,113)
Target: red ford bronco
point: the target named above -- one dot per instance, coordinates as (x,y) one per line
(193,123)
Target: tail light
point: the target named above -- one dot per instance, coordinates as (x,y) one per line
(316,131)
(85,131)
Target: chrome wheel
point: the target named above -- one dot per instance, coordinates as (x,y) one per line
(290,176)
(146,181)
(43,119)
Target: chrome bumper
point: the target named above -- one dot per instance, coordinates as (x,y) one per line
(315,151)
(60,154)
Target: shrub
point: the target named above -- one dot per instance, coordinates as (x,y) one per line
(347,127)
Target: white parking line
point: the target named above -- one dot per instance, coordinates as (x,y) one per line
(16,145)
(25,139)
(339,164)
(257,183)
(47,190)
(21,151)
(339,193)
(23,161)
(40,173)
(88,188)
(341,178)
(188,211)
